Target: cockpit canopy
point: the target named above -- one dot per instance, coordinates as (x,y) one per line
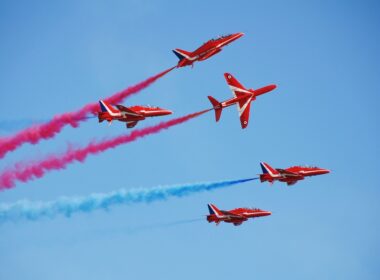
(250,208)
(220,37)
(152,107)
(255,209)
(307,166)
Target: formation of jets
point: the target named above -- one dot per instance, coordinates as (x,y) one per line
(243,98)
(289,175)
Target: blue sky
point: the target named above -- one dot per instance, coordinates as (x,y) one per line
(325,59)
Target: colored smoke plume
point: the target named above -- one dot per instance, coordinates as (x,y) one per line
(67,206)
(25,171)
(35,133)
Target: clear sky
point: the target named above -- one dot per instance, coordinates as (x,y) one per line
(323,55)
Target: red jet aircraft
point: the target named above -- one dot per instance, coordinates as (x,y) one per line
(289,175)
(130,115)
(205,51)
(236,216)
(242,97)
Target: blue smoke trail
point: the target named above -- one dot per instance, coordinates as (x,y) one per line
(67,206)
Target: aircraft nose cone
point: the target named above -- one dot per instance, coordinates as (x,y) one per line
(235,36)
(272,87)
(166,112)
(325,171)
(266,213)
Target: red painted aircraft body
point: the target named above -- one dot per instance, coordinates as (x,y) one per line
(242,97)
(207,50)
(130,115)
(236,216)
(289,175)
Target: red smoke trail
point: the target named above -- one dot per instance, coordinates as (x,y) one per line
(28,171)
(48,130)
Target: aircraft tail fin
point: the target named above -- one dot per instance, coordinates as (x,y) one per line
(217,106)
(105,107)
(214,210)
(267,169)
(181,54)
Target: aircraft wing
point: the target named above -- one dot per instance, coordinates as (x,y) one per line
(288,173)
(234,216)
(127,110)
(235,85)
(237,217)
(210,54)
(238,90)
(244,106)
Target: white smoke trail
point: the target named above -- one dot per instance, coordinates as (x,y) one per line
(29,210)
